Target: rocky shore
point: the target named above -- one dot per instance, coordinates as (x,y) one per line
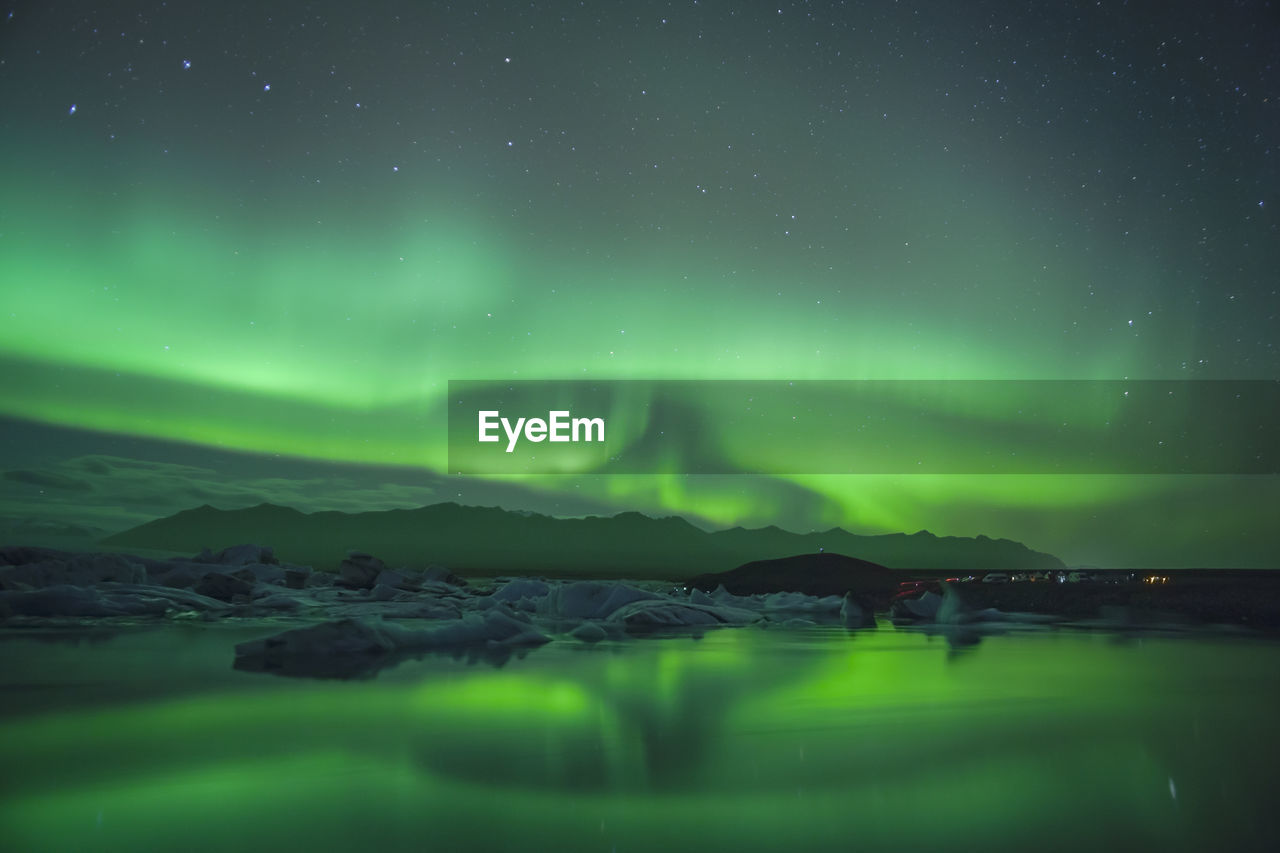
(367,615)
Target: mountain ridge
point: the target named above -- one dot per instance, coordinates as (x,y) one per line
(483,540)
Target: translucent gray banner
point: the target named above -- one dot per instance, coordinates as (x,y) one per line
(864,427)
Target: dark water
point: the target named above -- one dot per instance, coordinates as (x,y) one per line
(742,740)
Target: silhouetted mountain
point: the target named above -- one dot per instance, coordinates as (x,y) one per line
(812,574)
(490,540)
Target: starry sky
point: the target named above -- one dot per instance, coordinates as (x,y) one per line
(244,246)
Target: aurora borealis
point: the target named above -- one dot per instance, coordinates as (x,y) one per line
(279,229)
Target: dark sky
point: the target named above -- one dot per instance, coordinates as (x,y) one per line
(279,228)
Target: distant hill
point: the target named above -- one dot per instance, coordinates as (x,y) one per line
(819,574)
(490,540)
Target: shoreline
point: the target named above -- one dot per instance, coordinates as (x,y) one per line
(247,581)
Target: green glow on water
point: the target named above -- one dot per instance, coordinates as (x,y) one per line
(753,739)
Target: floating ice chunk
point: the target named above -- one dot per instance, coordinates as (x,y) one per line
(272,573)
(521,588)
(329,639)
(394,609)
(179,575)
(440,588)
(394,579)
(669,613)
(720,595)
(283,602)
(360,570)
(440,574)
(57,569)
(700,597)
(854,615)
(589,632)
(297,577)
(383,592)
(923,608)
(66,600)
(952,610)
(798,601)
(353,647)
(107,599)
(348,637)
(238,555)
(223,586)
(591,599)
(320,579)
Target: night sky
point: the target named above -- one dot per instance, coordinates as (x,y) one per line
(280,228)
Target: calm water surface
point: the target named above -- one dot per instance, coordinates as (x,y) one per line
(742,740)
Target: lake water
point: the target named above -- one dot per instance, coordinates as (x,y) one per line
(744,739)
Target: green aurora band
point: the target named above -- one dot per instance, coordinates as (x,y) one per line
(240,274)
